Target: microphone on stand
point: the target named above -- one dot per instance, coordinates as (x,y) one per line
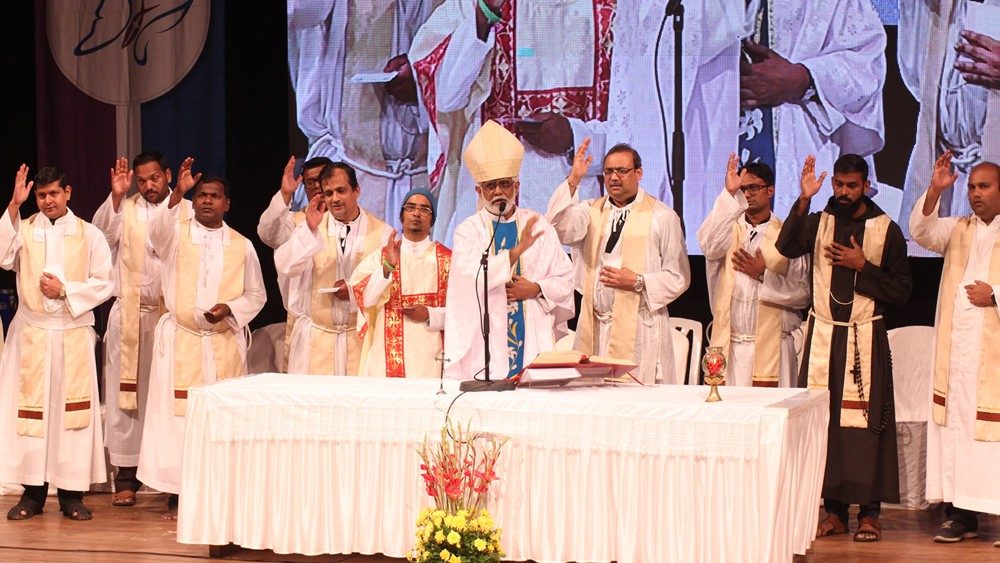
(487,384)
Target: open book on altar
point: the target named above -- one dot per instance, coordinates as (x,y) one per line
(558,367)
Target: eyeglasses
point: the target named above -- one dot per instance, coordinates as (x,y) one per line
(502,184)
(619,171)
(415,208)
(751,189)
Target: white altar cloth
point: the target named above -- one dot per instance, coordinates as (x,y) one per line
(319,464)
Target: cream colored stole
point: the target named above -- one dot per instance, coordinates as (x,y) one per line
(852,409)
(291,318)
(625,311)
(133,255)
(323,336)
(988,400)
(767,344)
(189,338)
(35,354)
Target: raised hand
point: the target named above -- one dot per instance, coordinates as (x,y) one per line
(809,184)
(581,163)
(121,178)
(187,180)
(734,177)
(943,178)
(315,211)
(289,182)
(527,238)
(983,64)
(391,253)
(22,188)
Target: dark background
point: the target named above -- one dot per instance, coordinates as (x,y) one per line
(258,140)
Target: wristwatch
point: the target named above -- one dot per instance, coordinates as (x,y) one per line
(639,284)
(62,292)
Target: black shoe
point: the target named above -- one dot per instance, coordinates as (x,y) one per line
(955,531)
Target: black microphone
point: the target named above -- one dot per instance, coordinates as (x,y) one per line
(487,384)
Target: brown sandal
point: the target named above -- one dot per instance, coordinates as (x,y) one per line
(123,498)
(869,530)
(829,526)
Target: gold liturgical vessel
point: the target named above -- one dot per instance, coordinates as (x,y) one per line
(713,364)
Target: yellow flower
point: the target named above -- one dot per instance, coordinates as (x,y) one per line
(454,538)
(439,536)
(455,559)
(438,514)
(445,555)
(479,544)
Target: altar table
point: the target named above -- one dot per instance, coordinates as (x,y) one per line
(320,464)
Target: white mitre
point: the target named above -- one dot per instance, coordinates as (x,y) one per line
(493,152)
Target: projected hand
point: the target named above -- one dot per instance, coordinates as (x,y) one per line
(983,68)
(768,79)
(403,87)
(552,135)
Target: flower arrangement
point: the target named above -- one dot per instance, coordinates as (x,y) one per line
(457,474)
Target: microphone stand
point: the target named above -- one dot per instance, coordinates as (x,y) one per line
(675,8)
(487,384)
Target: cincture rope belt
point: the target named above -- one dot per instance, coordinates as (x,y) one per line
(822,319)
(856,371)
(336,329)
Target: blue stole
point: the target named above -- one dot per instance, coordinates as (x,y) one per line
(757,125)
(506,239)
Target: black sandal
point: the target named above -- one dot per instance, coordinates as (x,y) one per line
(75,510)
(28,506)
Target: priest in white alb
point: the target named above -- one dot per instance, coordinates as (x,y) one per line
(963,437)
(401,291)
(631,262)
(50,412)
(316,263)
(278,221)
(128,341)
(755,292)
(530,278)
(212,289)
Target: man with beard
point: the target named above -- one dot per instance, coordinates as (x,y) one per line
(401,291)
(859,268)
(128,343)
(529,275)
(315,264)
(631,262)
(963,440)
(278,221)
(49,404)
(756,293)
(212,289)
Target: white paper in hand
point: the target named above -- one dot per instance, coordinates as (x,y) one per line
(373,77)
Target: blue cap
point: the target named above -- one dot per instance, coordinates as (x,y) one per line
(426,193)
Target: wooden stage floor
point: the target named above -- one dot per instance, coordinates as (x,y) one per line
(139,534)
